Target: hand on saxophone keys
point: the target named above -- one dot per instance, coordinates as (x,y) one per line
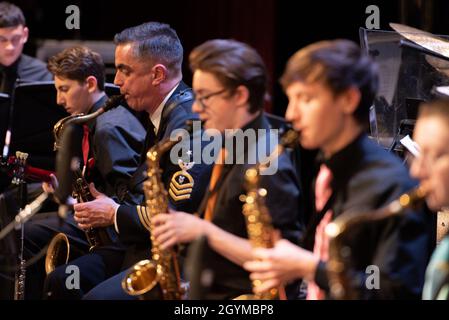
(97,213)
(280,265)
(177,227)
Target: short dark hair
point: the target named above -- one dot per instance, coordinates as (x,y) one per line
(233,63)
(339,64)
(436,108)
(154,41)
(78,63)
(10,15)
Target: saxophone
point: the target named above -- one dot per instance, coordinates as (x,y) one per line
(162,272)
(58,129)
(338,266)
(58,251)
(258,219)
(95,236)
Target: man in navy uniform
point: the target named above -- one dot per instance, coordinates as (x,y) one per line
(148,59)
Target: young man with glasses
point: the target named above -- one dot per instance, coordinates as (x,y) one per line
(229,82)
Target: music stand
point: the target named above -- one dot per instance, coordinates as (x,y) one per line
(411,62)
(34,114)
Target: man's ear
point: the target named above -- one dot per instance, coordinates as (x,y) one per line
(26,32)
(350,100)
(241,96)
(92,84)
(159,72)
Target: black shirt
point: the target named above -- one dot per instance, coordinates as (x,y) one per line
(26,69)
(230,279)
(366,177)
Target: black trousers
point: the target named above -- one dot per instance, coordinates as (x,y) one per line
(38,233)
(73,280)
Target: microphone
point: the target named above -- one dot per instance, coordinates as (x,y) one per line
(25,214)
(67,162)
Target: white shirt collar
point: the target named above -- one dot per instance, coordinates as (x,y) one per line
(156,116)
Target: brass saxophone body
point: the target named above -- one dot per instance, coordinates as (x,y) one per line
(258,220)
(95,236)
(58,251)
(338,266)
(161,273)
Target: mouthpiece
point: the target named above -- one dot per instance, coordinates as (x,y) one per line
(113,101)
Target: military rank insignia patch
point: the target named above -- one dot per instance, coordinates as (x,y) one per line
(181,184)
(144,217)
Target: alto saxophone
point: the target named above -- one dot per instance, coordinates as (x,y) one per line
(58,251)
(338,266)
(162,272)
(258,220)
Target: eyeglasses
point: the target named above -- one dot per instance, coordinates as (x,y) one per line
(203,99)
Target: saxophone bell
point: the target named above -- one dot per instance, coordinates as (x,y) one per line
(141,279)
(58,252)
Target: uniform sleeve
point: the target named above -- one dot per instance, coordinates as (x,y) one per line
(117,150)
(133,224)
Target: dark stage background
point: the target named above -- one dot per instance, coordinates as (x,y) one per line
(276,28)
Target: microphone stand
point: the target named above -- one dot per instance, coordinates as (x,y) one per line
(19,282)
(22,198)
(10,121)
(25,214)
(19,285)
